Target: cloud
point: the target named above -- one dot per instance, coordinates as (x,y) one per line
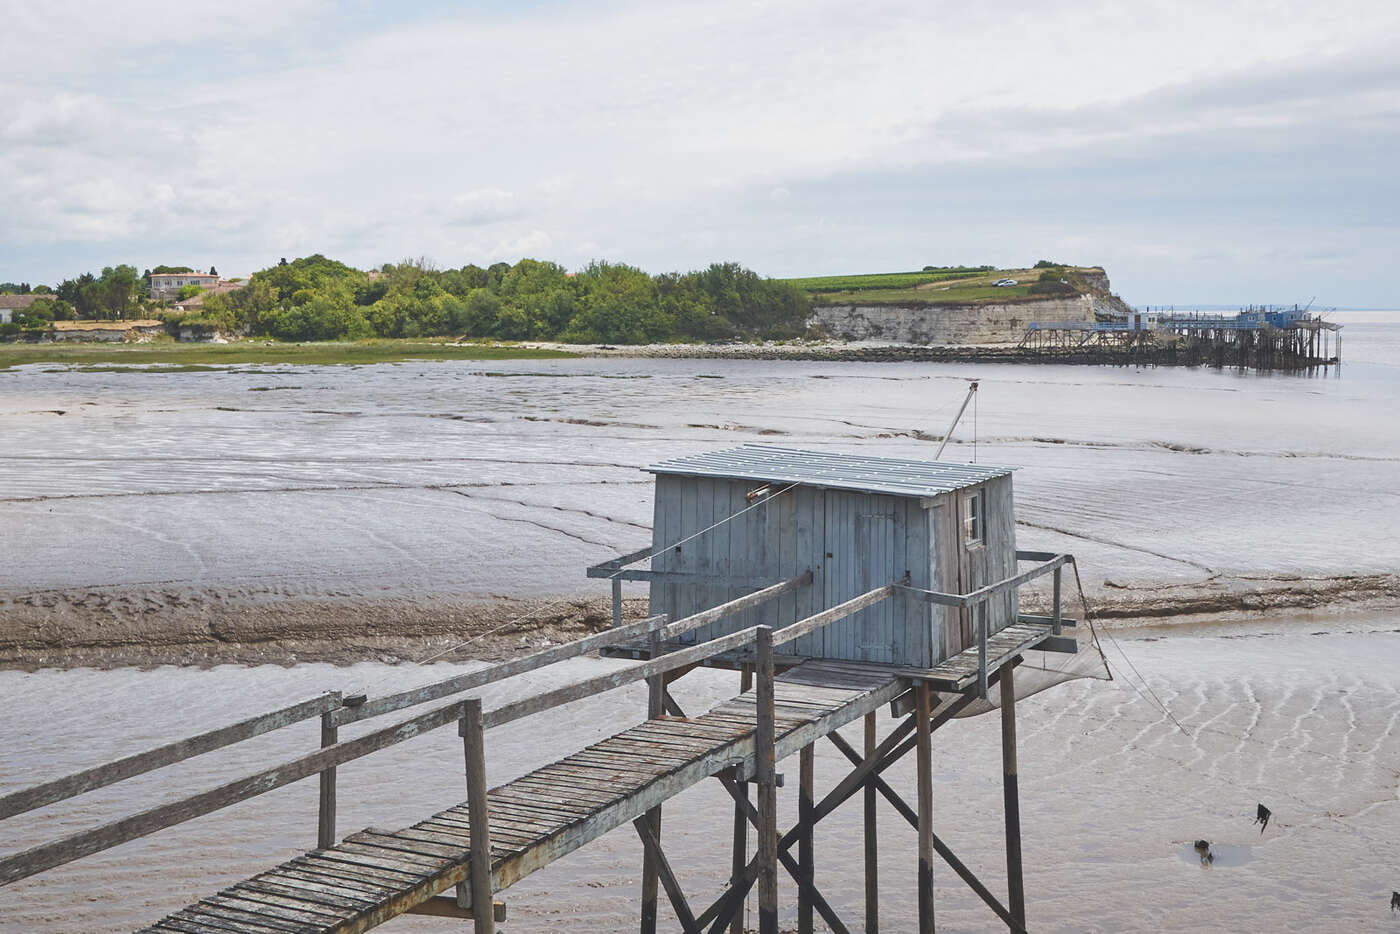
(793,136)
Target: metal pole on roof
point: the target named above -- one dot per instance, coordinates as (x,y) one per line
(971,390)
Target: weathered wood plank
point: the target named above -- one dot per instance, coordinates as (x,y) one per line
(78,783)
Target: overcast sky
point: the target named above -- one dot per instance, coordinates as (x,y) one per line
(1201,151)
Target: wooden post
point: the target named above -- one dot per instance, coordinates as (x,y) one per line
(651,872)
(872,883)
(741,820)
(924,753)
(767,768)
(1016,896)
(1056,625)
(617,603)
(473,747)
(805,861)
(981,612)
(325,816)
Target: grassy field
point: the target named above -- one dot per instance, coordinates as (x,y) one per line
(178,357)
(975,289)
(882,280)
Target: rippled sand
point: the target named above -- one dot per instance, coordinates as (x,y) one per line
(1113,794)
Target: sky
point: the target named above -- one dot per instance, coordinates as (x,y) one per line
(1202,152)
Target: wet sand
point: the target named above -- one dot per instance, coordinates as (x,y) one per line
(288,513)
(1301,718)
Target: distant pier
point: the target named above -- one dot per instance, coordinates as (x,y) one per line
(1260,338)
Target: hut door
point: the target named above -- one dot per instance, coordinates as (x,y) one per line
(972,556)
(860,556)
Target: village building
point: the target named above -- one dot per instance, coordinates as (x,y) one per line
(9,304)
(166,285)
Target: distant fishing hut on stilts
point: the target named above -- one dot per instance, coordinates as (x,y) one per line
(837,584)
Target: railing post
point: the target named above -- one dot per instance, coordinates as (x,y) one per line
(1055,624)
(982,650)
(473,747)
(617,603)
(325,816)
(765,754)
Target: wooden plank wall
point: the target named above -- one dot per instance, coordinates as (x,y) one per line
(872,540)
(1001,550)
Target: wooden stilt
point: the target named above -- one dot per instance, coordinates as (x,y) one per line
(872,883)
(1016,896)
(764,753)
(651,872)
(922,712)
(325,817)
(479,834)
(806,868)
(741,820)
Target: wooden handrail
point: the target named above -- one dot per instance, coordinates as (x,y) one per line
(60,789)
(991,590)
(558,653)
(65,850)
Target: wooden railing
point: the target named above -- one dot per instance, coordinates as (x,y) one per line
(333,753)
(336,711)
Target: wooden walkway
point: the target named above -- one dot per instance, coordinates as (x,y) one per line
(375,875)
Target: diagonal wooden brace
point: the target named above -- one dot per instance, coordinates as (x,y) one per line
(667,876)
(819,902)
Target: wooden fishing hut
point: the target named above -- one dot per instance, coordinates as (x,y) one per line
(856,522)
(840,585)
(898,565)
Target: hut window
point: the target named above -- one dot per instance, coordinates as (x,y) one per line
(973,518)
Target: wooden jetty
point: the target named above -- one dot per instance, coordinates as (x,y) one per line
(1261,338)
(842,557)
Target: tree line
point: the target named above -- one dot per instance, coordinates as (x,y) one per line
(316,298)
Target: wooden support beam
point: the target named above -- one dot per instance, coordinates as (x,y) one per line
(948,856)
(479,834)
(445,906)
(764,754)
(922,712)
(872,847)
(1016,894)
(668,879)
(741,819)
(750,871)
(325,816)
(806,871)
(649,825)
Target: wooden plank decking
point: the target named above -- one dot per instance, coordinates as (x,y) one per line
(376,875)
(960,671)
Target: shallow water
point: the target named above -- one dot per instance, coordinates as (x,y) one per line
(414,480)
(457,478)
(1112,794)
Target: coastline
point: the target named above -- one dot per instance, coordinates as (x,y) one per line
(129,627)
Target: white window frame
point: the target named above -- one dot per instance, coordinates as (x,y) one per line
(975,519)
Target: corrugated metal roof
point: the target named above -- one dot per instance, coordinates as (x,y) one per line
(832,471)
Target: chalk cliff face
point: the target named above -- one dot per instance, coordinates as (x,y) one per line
(966,324)
(948,324)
